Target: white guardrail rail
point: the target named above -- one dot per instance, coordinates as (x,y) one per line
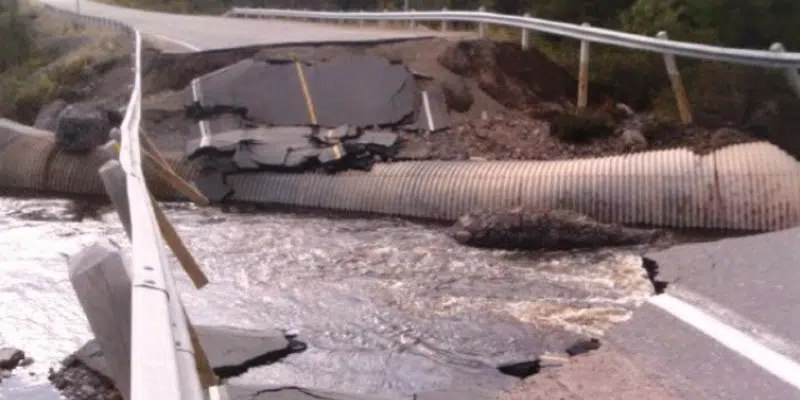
(162,362)
(774,58)
(161,352)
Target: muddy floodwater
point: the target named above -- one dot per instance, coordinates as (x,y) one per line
(386,306)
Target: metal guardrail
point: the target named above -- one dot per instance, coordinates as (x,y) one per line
(774,58)
(162,364)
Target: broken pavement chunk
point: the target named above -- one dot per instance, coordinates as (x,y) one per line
(357,90)
(331,154)
(10,358)
(432,115)
(230,351)
(336,135)
(298,157)
(212,185)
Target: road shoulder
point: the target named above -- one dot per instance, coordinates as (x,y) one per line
(622,379)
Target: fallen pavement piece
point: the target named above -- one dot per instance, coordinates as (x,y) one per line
(357,90)
(211,183)
(285,149)
(10,358)
(228,141)
(544,230)
(252,392)
(273,392)
(230,351)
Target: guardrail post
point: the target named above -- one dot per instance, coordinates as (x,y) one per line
(583,74)
(361,20)
(482,25)
(102,283)
(114,180)
(682,100)
(412,24)
(382,22)
(792,76)
(526,33)
(444,22)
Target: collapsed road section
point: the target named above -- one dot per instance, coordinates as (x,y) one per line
(273,131)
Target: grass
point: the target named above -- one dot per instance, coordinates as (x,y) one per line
(65,54)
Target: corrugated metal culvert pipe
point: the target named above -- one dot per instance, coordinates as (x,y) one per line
(752,186)
(30,160)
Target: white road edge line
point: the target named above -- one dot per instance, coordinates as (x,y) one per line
(773,362)
(427,106)
(171,40)
(205,136)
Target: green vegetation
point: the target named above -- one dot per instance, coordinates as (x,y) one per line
(43,58)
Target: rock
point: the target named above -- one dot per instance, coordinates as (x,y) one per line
(578,128)
(81,127)
(521,229)
(457,95)
(548,110)
(634,139)
(230,351)
(76,381)
(10,358)
(47,118)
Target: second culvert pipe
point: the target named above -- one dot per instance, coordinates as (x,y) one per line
(753,186)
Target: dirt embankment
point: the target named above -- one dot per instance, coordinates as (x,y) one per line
(72,62)
(505,103)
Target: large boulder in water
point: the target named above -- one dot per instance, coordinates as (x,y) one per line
(82,127)
(523,229)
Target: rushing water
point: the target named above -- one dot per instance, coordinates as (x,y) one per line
(346,285)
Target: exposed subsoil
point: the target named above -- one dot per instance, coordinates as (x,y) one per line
(517,98)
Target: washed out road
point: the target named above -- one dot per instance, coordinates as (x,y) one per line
(725,329)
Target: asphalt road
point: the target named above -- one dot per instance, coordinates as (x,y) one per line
(210,33)
(725,329)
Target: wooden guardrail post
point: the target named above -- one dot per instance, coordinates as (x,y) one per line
(382,22)
(792,76)
(583,74)
(114,181)
(676,81)
(526,35)
(102,283)
(444,22)
(482,25)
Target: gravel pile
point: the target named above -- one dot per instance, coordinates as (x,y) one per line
(76,381)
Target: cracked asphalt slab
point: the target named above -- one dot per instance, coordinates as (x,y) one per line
(745,343)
